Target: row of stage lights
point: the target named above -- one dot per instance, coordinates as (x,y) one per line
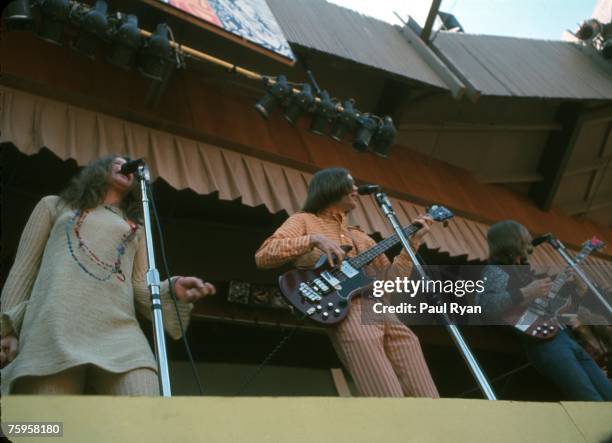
(328,115)
(151,55)
(598,35)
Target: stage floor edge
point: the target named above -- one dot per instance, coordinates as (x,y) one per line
(310,419)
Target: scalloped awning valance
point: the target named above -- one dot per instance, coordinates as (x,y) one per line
(32,122)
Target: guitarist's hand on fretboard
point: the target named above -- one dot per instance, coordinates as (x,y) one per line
(581,287)
(536,289)
(425,221)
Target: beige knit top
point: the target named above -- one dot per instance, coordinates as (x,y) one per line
(72,293)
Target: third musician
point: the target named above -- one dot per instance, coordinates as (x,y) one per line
(509,282)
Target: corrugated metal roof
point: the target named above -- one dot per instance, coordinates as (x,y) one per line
(507,66)
(338,31)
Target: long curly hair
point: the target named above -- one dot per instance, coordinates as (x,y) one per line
(88,188)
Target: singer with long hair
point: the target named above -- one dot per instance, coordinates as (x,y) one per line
(509,281)
(68,319)
(384,359)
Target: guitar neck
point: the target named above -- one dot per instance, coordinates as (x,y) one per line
(559,282)
(564,275)
(369,255)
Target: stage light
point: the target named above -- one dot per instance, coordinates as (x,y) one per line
(93,27)
(344,122)
(323,115)
(54,13)
(276,94)
(299,103)
(126,42)
(450,22)
(18,16)
(384,137)
(589,29)
(156,54)
(366,126)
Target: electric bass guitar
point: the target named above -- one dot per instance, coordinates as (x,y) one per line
(324,293)
(541,317)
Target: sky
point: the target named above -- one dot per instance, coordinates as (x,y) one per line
(542,19)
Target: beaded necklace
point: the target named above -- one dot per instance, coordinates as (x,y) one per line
(74,225)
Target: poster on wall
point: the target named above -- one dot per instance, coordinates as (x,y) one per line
(255,294)
(251,20)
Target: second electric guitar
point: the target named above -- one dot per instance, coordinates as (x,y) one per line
(540,319)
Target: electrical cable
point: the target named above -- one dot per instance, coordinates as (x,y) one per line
(269,357)
(498,378)
(265,361)
(172,294)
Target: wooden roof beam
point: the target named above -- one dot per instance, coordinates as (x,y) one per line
(471,91)
(588,167)
(479,127)
(557,153)
(431,18)
(598,115)
(449,78)
(583,207)
(529,177)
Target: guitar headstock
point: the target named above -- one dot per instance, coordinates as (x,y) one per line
(593,244)
(589,246)
(439,213)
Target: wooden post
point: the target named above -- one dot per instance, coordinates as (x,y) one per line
(431,17)
(340,382)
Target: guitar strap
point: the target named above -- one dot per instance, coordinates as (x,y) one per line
(353,241)
(367,294)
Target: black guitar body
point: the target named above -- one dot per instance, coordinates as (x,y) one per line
(311,293)
(324,293)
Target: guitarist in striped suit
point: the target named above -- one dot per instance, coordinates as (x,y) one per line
(385,359)
(509,282)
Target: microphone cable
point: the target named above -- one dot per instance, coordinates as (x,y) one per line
(495,379)
(270,356)
(264,362)
(172,294)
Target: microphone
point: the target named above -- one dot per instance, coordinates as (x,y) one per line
(541,239)
(131,166)
(368,189)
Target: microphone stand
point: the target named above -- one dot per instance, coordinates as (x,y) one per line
(560,247)
(470,359)
(153,282)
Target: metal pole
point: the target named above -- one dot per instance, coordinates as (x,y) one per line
(560,247)
(153,283)
(475,369)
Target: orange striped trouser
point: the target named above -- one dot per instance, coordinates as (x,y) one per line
(385,360)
